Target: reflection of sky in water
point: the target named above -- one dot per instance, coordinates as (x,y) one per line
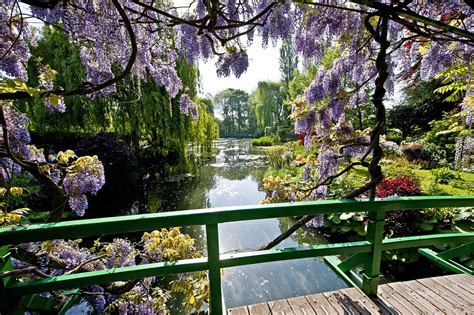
(261,282)
(235,192)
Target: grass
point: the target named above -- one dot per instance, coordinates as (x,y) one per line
(428,184)
(427,180)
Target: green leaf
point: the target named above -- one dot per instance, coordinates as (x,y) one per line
(346,228)
(361,230)
(426,227)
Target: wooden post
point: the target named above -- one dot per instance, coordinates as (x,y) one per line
(5,265)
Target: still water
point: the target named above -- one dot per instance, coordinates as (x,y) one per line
(234,178)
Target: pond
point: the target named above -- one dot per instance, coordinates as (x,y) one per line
(234,178)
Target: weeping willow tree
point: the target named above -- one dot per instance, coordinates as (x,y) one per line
(270,109)
(140,113)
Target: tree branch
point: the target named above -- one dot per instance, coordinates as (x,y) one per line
(23,271)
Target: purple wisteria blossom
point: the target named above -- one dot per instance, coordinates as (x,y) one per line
(187,106)
(85,176)
(236,62)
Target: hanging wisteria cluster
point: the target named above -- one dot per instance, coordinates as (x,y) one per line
(75,176)
(85,175)
(147,38)
(187,106)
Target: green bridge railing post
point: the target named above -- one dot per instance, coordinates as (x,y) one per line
(213,260)
(375,228)
(5,265)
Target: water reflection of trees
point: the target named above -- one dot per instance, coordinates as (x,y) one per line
(240,173)
(188,193)
(301,236)
(236,160)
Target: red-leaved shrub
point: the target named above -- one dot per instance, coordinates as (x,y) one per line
(400,186)
(399,223)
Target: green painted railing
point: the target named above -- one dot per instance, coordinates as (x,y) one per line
(366,253)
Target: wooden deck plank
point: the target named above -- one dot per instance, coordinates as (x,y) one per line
(301,306)
(453,287)
(321,305)
(337,298)
(444,297)
(363,304)
(449,295)
(259,309)
(463,281)
(456,299)
(414,299)
(436,300)
(238,311)
(394,302)
(280,307)
(469,280)
(412,288)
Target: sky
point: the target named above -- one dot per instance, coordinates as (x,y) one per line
(263,65)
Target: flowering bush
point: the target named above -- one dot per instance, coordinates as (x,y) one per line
(278,156)
(390,147)
(148,296)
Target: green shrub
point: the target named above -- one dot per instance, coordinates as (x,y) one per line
(262,141)
(397,168)
(266,141)
(434,155)
(444,175)
(286,133)
(394,134)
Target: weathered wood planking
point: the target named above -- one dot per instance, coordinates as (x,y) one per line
(346,301)
(452,294)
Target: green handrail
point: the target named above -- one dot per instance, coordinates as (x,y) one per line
(211,218)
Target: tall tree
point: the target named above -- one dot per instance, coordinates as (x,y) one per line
(233,106)
(420,105)
(288,63)
(270,108)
